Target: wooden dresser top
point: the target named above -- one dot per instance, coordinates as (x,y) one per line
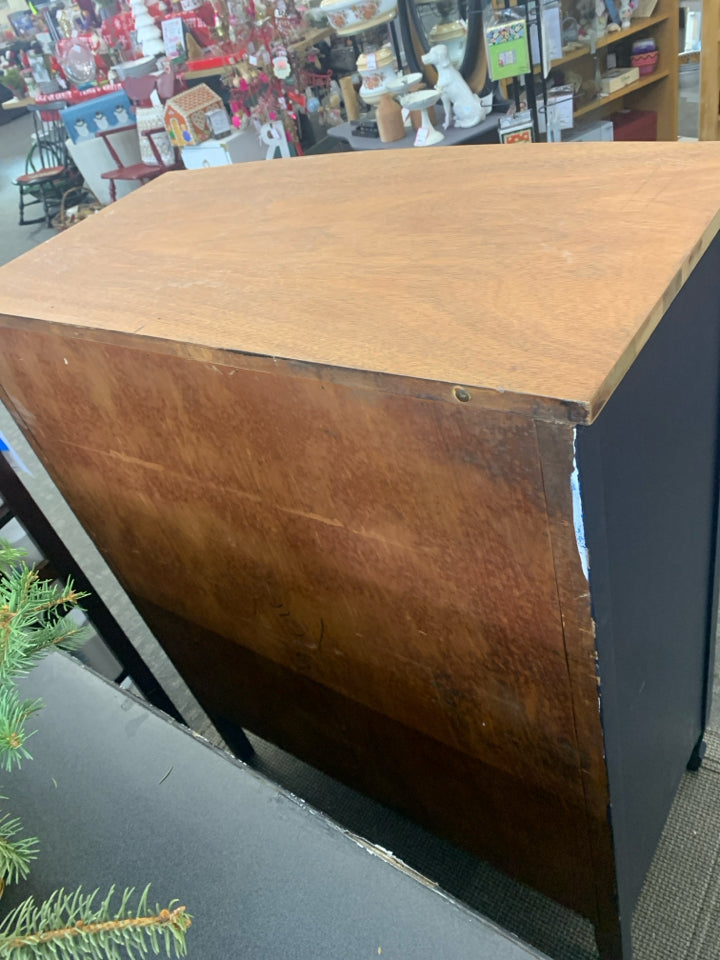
(537,272)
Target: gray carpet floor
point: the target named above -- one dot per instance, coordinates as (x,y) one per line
(678,915)
(14,146)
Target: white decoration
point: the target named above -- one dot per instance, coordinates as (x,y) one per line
(273,135)
(422,100)
(150,118)
(82,130)
(459,102)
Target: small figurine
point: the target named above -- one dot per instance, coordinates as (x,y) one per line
(601,17)
(82,130)
(626,11)
(459,102)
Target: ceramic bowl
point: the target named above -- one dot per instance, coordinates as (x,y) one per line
(420,99)
(135,68)
(376,69)
(403,84)
(347,17)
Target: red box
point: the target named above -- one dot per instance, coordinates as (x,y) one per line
(635,125)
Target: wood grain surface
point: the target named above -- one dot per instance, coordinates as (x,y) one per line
(368,542)
(367,578)
(709,118)
(535,835)
(535,274)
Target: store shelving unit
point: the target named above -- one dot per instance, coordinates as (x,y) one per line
(612,98)
(709,124)
(656,91)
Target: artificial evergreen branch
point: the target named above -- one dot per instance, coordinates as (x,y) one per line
(15,855)
(13,714)
(32,617)
(68,927)
(10,555)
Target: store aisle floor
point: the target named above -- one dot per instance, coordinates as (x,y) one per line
(14,146)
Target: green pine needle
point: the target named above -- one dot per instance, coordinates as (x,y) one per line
(13,736)
(15,855)
(68,926)
(9,555)
(33,618)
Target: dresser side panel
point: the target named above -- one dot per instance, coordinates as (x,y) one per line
(391,550)
(649,483)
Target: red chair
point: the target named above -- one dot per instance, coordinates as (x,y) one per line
(139,90)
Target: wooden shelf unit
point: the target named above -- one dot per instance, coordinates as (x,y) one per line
(609,39)
(709,123)
(621,94)
(657,91)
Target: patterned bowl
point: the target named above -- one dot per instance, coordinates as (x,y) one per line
(353,16)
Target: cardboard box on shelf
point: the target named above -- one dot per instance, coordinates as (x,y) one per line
(236,148)
(594,130)
(559,107)
(618,78)
(634,125)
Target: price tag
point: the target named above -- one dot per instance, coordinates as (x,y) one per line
(253,60)
(173,37)
(371,61)
(422,135)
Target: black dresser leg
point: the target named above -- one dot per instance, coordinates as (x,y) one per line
(696,757)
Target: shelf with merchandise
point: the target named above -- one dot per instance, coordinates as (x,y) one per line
(581,65)
(602,101)
(609,39)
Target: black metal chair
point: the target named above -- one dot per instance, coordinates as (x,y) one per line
(49,171)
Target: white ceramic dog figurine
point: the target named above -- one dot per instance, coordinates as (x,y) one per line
(458,100)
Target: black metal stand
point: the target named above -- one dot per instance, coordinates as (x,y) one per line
(529,78)
(19,503)
(392,29)
(23,506)
(697,756)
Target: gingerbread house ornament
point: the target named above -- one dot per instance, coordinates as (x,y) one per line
(185,115)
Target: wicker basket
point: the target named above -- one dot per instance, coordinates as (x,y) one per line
(83,208)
